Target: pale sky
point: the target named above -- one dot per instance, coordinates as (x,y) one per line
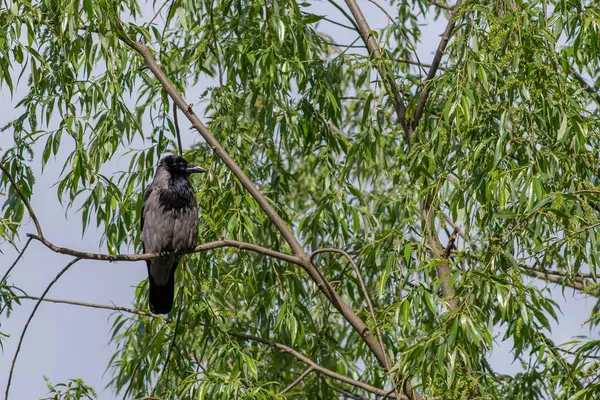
(65,341)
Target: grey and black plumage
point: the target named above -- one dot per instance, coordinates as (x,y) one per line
(169,226)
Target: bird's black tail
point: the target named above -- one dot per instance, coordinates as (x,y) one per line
(161,296)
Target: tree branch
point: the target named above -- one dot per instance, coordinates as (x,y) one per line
(38,227)
(375,51)
(298,380)
(148,256)
(578,283)
(283,228)
(586,86)
(14,264)
(12,367)
(345,14)
(311,363)
(435,65)
(416,63)
(283,348)
(90,305)
(437,251)
(357,324)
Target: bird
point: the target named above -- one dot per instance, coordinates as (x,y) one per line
(169,225)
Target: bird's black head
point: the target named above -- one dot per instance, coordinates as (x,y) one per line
(177,165)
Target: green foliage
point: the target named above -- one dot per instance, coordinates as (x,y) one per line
(508,149)
(76,389)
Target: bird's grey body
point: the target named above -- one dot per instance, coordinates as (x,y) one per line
(169,226)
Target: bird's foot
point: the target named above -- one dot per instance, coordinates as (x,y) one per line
(165,253)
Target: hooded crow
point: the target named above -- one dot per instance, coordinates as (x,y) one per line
(169,226)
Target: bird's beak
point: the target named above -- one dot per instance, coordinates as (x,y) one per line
(194,169)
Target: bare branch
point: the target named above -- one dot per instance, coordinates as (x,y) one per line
(435,65)
(90,305)
(37,305)
(338,23)
(577,276)
(15,262)
(577,283)
(348,17)
(417,63)
(38,227)
(298,380)
(587,191)
(375,51)
(311,363)
(148,256)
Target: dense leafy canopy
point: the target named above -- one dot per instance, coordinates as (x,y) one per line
(507,151)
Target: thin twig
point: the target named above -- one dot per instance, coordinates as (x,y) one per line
(558,65)
(338,23)
(177,131)
(459,231)
(298,380)
(149,256)
(157,13)
(581,284)
(38,227)
(578,275)
(90,305)
(345,14)
(16,261)
(417,63)
(435,65)
(12,367)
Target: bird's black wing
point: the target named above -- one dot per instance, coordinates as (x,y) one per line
(146,195)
